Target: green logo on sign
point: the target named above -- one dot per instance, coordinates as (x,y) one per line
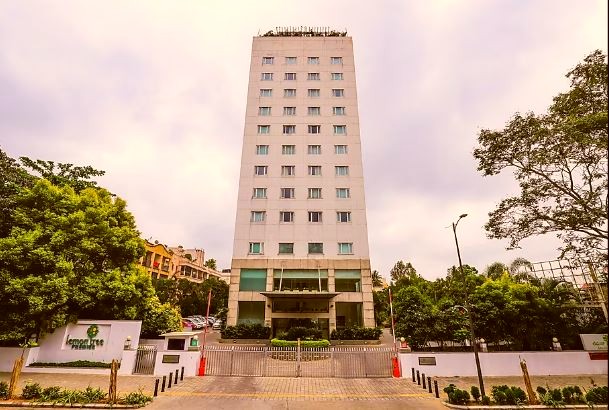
(92,331)
(87,344)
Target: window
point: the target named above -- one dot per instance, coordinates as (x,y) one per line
(267,60)
(288,170)
(289,92)
(313,60)
(315,216)
(338,110)
(336,60)
(340,129)
(314,169)
(288,149)
(289,76)
(348,280)
(259,193)
(336,76)
(289,110)
(313,110)
(345,248)
(252,312)
(340,149)
(260,170)
(264,110)
(289,129)
(256,248)
(291,60)
(313,92)
(287,193)
(313,76)
(342,171)
(343,193)
(266,77)
(286,216)
(262,149)
(264,129)
(258,216)
(314,193)
(338,92)
(314,129)
(314,150)
(286,247)
(342,216)
(316,247)
(266,92)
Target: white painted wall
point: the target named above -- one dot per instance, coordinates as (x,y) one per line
(189,360)
(504,364)
(8,355)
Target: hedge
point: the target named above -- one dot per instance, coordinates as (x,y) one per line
(303,343)
(246,331)
(77,363)
(357,333)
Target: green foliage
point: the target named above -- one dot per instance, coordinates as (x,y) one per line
(52,393)
(503,395)
(455,395)
(376,279)
(573,395)
(3,390)
(302,333)
(136,398)
(303,343)
(598,395)
(211,264)
(380,299)
(71,397)
(76,177)
(31,391)
(191,298)
(76,363)
(246,331)
(357,333)
(404,272)
(486,401)
(475,391)
(559,161)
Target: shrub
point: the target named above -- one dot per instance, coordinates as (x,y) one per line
(572,395)
(508,395)
(31,391)
(3,390)
(76,363)
(303,333)
(246,331)
(456,396)
(136,398)
(303,343)
(550,397)
(357,333)
(71,397)
(52,393)
(475,391)
(598,395)
(91,395)
(486,401)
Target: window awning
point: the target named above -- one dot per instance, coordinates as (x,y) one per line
(301,295)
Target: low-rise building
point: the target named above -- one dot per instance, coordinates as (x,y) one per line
(190,264)
(158,260)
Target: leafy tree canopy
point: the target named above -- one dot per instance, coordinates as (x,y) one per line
(211,264)
(560,162)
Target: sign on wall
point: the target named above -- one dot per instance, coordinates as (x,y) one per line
(88,343)
(427,361)
(594,341)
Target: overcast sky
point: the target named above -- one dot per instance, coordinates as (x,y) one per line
(154,93)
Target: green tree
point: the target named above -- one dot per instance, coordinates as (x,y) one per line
(560,162)
(191,297)
(495,270)
(414,316)
(380,300)
(377,281)
(404,271)
(211,264)
(61,174)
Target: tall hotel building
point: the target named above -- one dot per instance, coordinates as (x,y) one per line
(301,242)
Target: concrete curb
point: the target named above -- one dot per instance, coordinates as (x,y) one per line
(514,407)
(13,403)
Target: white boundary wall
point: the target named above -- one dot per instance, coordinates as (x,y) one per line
(503,364)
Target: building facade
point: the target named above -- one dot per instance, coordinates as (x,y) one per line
(163,262)
(301,243)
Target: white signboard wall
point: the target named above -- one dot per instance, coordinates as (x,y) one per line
(594,342)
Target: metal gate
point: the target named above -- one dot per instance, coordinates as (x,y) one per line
(347,362)
(145,359)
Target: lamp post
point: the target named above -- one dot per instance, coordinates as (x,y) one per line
(467,309)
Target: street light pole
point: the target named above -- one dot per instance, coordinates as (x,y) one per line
(468,310)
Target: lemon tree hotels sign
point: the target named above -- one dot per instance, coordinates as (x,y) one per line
(88,343)
(594,342)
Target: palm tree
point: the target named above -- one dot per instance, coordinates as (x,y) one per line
(377,281)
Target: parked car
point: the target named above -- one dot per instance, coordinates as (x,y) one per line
(217,325)
(198,324)
(186,322)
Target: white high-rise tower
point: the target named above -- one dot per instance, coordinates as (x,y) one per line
(301,242)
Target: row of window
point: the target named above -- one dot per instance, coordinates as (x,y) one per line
(268,60)
(314,111)
(311,149)
(311,92)
(290,193)
(311,129)
(310,76)
(290,170)
(288,216)
(344,248)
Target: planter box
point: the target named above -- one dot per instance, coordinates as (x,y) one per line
(354,342)
(264,342)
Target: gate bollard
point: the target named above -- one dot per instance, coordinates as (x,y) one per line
(413,378)
(182,374)
(418,378)
(156,387)
(435,387)
(429,384)
(163,385)
(170,378)
(176,380)
(424,385)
